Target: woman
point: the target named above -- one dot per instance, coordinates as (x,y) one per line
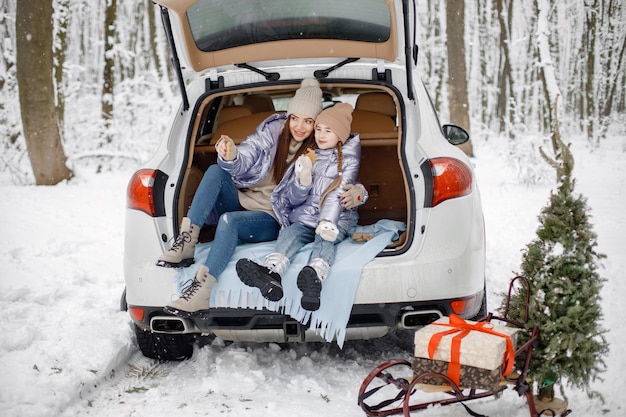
(238,188)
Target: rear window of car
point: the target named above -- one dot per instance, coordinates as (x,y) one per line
(219,24)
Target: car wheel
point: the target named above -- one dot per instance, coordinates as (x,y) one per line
(123,305)
(164,347)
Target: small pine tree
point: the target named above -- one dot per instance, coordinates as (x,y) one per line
(561,265)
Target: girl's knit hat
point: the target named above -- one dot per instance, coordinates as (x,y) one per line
(308,99)
(338,118)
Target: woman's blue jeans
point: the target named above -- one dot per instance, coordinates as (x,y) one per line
(217,196)
(293,237)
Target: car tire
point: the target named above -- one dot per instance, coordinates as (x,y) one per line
(164,347)
(123,304)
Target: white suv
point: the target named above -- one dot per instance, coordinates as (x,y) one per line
(239,61)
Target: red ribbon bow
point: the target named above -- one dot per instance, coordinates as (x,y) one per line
(463,328)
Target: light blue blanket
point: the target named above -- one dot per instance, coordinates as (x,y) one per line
(338,291)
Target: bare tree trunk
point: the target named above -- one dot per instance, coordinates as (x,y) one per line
(548,77)
(483,15)
(431,52)
(613,82)
(505,81)
(590,54)
(152,28)
(548,73)
(457,72)
(612,70)
(59,58)
(9,128)
(108,81)
(36,91)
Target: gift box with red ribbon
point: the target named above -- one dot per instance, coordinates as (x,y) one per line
(472,354)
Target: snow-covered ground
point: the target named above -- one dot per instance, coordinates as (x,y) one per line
(67,350)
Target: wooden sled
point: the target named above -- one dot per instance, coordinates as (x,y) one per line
(393,387)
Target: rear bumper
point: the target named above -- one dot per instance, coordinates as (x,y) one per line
(366,321)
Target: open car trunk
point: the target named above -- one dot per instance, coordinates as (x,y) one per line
(374,119)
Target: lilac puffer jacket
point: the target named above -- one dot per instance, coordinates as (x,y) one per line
(255,155)
(294,203)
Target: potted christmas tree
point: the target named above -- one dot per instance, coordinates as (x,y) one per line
(561,265)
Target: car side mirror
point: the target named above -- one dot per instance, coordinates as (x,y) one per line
(455,135)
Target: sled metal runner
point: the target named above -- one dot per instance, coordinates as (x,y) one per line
(394,385)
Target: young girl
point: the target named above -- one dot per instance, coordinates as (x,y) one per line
(309,209)
(238,188)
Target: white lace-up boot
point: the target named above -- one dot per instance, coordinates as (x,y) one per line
(195,298)
(181,253)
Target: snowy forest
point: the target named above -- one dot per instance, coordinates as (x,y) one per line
(105,80)
(114,87)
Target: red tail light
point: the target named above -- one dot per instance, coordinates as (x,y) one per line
(451,179)
(142,191)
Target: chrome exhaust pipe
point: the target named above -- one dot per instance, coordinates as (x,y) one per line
(171,325)
(417,319)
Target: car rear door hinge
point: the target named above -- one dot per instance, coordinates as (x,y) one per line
(384,76)
(209,84)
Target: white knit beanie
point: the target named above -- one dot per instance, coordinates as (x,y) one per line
(308,99)
(338,119)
